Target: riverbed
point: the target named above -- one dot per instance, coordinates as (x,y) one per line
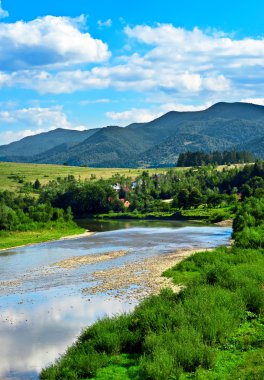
(51,291)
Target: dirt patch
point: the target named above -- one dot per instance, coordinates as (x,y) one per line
(74,262)
(225,223)
(84,234)
(139,279)
(10,283)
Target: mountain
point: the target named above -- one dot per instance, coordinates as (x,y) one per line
(255,146)
(108,147)
(167,152)
(33,145)
(223,126)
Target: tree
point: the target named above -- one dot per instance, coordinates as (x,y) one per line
(37,185)
(195,198)
(183,198)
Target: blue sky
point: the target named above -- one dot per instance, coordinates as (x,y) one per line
(86,64)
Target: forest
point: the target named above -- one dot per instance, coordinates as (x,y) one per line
(201,190)
(217,158)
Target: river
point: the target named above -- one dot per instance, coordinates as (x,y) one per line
(49,292)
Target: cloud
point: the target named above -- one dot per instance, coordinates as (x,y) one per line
(144,115)
(95,101)
(34,121)
(48,42)
(62,317)
(38,117)
(184,107)
(10,135)
(134,115)
(3,13)
(104,24)
(62,82)
(163,59)
(259,101)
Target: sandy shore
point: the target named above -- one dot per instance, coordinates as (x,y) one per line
(70,237)
(131,281)
(225,223)
(74,262)
(145,276)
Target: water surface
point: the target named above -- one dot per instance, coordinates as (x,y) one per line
(43,308)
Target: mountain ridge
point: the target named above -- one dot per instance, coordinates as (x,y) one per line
(156,143)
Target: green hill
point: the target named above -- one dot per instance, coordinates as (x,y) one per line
(224,126)
(40,143)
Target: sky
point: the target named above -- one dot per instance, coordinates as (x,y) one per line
(86,64)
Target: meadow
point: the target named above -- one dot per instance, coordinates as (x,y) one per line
(13,175)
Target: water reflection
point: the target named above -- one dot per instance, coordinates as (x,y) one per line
(42,309)
(112,225)
(34,334)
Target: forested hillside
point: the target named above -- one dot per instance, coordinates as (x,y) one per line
(224,126)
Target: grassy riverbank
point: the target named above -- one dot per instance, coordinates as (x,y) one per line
(212,329)
(210,215)
(47,232)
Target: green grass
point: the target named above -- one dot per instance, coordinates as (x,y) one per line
(241,357)
(10,172)
(213,329)
(10,239)
(214,214)
(136,215)
(204,214)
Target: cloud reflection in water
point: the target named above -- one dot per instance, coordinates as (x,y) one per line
(31,337)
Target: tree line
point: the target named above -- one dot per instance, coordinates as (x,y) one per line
(62,199)
(218,158)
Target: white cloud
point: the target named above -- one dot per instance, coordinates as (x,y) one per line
(104,24)
(95,101)
(48,42)
(184,107)
(179,43)
(61,82)
(259,101)
(144,115)
(134,115)
(35,120)
(10,136)
(180,63)
(3,13)
(38,117)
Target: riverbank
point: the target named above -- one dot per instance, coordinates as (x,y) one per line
(218,317)
(145,276)
(15,239)
(203,215)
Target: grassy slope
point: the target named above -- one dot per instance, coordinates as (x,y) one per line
(52,232)
(45,173)
(211,330)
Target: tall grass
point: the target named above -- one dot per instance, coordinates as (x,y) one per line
(172,334)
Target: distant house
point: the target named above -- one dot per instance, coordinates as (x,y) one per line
(116,186)
(126,203)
